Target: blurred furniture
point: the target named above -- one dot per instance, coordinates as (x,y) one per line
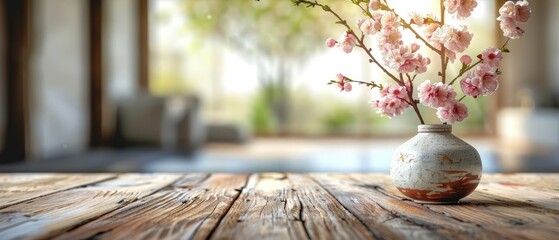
(230,133)
(538,126)
(268,206)
(170,122)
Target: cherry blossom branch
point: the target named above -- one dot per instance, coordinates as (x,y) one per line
(409,27)
(361,44)
(370,84)
(459,100)
(443,51)
(360,41)
(502,48)
(414,103)
(363,9)
(405,100)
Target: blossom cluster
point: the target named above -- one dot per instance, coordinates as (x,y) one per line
(482,80)
(391,101)
(512,13)
(384,26)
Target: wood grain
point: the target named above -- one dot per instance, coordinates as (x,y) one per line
(511,219)
(269,205)
(51,215)
(191,208)
(439,225)
(16,188)
(279,206)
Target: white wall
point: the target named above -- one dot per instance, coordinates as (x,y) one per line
(59,79)
(120,47)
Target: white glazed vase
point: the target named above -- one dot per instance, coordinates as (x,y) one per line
(435,166)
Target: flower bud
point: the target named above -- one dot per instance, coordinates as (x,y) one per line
(330,42)
(347,87)
(340,77)
(374,5)
(414,47)
(466,59)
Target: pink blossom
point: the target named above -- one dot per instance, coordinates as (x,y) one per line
(391,100)
(460,8)
(374,5)
(342,84)
(436,95)
(488,83)
(450,55)
(415,47)
(492,57)
(510,28)
(508,9)
(455,112)
(465,59)
(401,59)
(389,38)
(390,107)
(417,19)
(519,12)
(368,26)
(390,19)
(469,86)
(454,39)
(510,13)
(394,91)
(421,63)
(522,10)
(428,31)
(377,16)
(347,42)
(330,42)
(481,81)
(340,77)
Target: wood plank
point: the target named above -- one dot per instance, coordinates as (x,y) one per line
(188,209)
(378,219)
(509,218)
(51,215)
(16,188)
(536,196)
(439,225)
(288,207)
(536,180)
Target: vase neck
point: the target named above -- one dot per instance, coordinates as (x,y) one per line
(434,128)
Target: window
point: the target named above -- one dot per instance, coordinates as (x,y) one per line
(263,65)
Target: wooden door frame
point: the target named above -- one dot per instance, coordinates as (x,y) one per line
(96,81)
(143,45)
(17,21)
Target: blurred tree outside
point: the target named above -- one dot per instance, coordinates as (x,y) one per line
(274,35)
(284,46)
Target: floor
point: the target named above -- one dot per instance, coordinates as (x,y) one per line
(287,155)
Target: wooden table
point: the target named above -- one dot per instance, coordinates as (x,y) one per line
(256,206)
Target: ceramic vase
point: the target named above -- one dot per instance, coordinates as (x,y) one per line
(436,167)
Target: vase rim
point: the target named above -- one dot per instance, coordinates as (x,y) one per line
(427,128)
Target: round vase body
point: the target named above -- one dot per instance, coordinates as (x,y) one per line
(435,166)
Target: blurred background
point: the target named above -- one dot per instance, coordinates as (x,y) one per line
(240,86)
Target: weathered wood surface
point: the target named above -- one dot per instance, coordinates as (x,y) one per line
(268,206)
(51,215)
(15,188)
